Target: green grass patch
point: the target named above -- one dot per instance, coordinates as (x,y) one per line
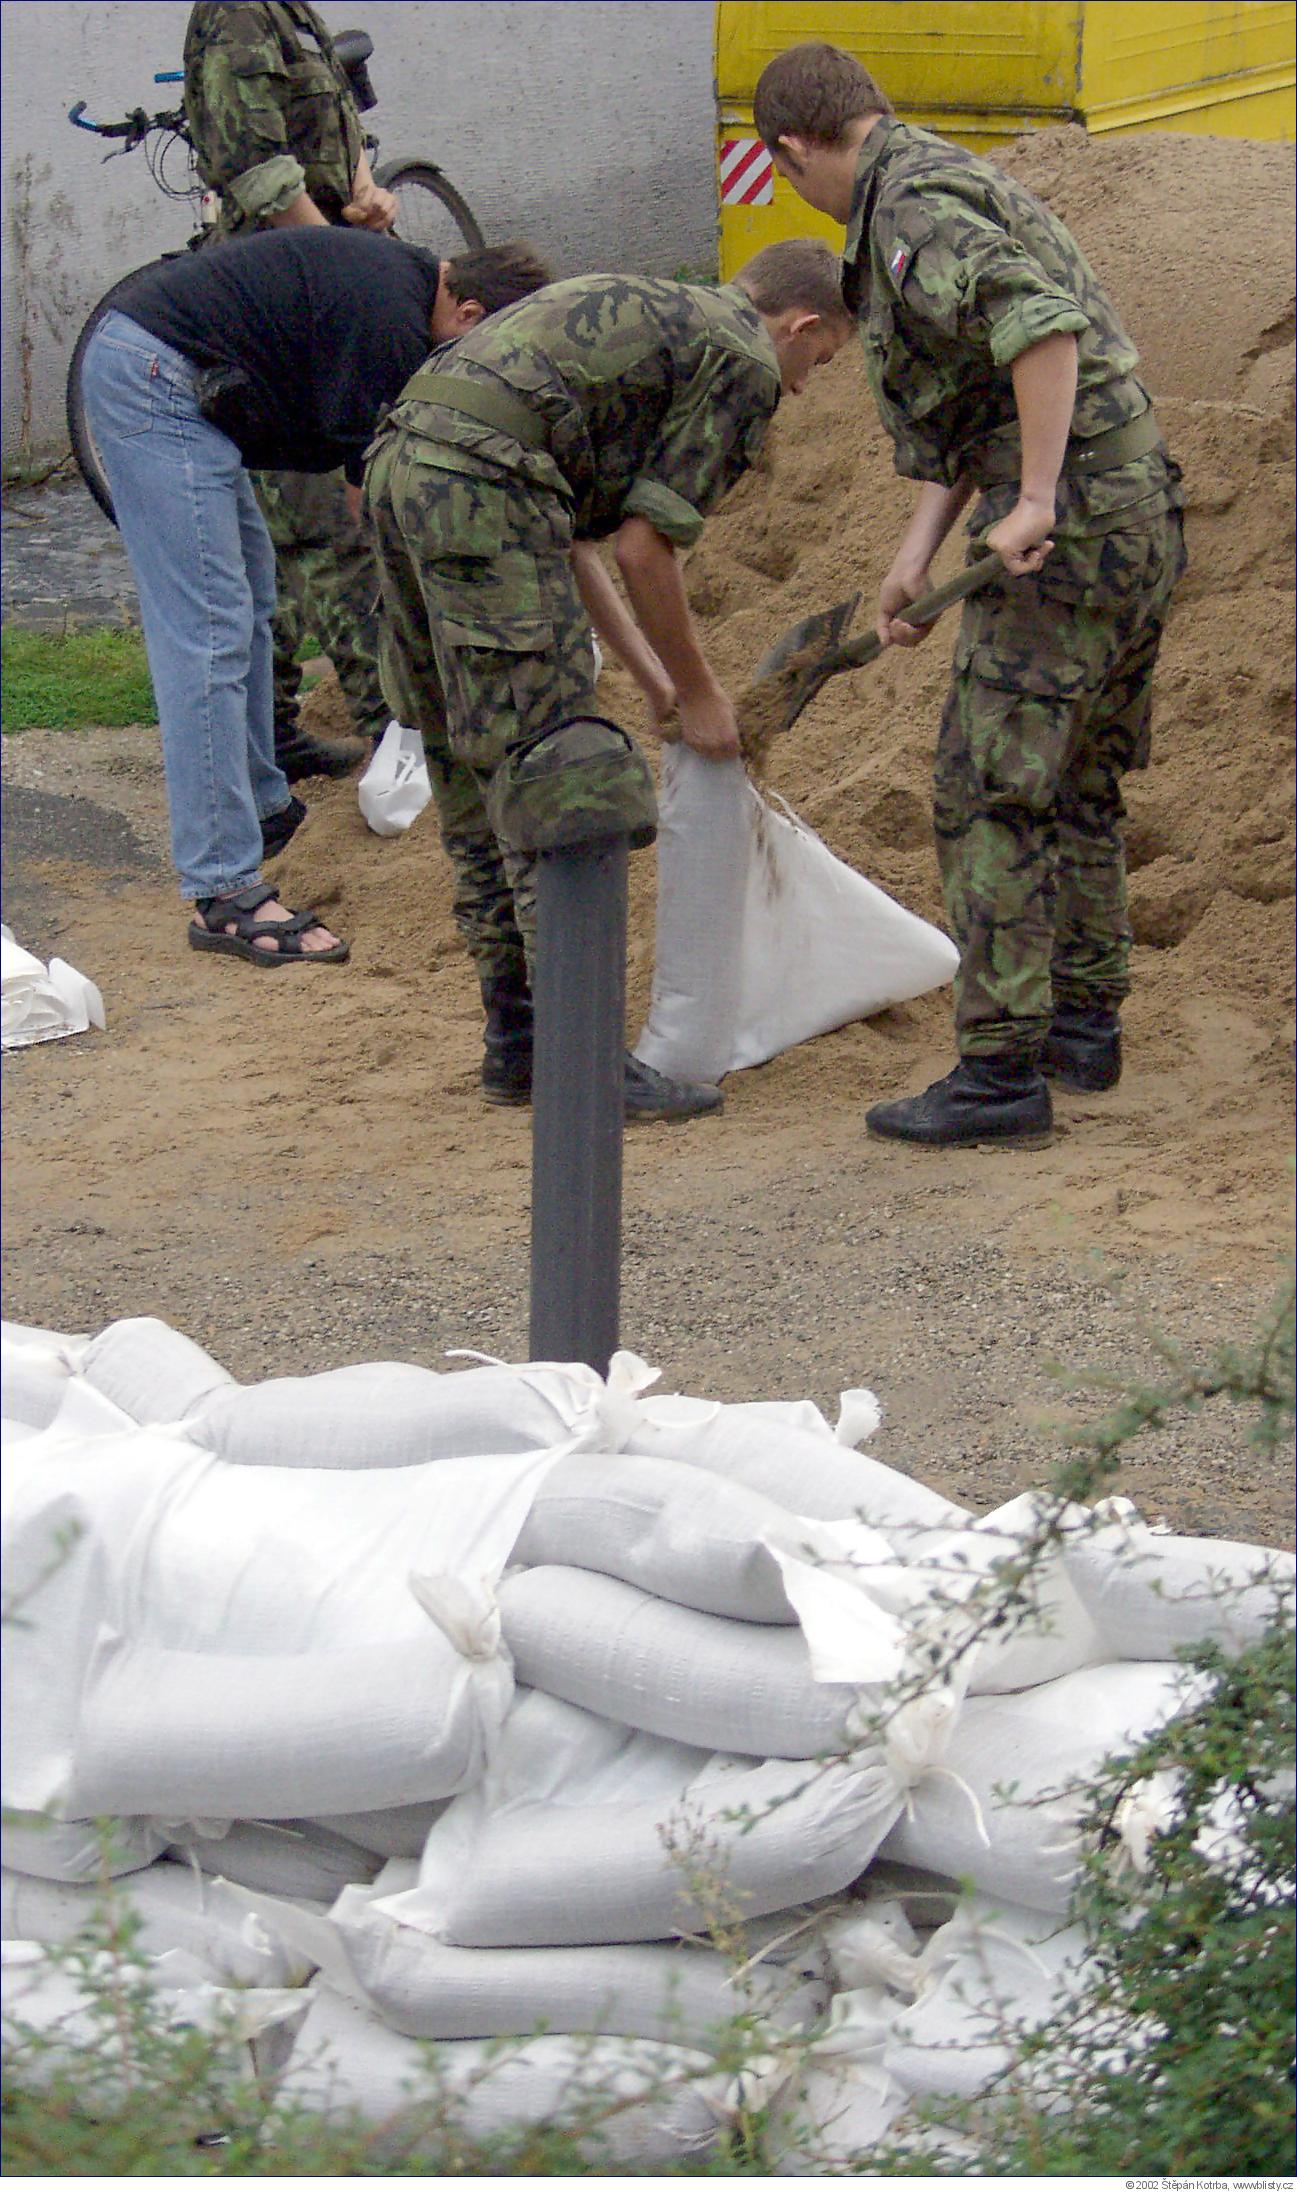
(59,682)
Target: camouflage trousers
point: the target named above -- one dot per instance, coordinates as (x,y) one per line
(1048,707)
(484,644)
(327,585)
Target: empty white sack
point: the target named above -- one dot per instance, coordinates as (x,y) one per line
(683,1534)
(1044,1745)
(764,938)
(704,1680)
(178,1911)
(347,2062)
(1149,1594)
(674,1993)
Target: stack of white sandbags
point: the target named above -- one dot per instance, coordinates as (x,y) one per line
(512,1700)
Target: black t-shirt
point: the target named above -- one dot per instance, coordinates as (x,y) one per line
(327,326)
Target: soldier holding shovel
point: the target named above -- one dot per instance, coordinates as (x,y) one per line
(1001,370)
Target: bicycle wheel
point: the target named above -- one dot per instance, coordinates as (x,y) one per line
(430,210)
(80,436)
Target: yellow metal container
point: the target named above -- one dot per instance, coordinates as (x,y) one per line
(981,71)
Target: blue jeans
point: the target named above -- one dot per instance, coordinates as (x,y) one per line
(205,571)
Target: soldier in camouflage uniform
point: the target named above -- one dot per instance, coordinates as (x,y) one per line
(276,133)
(1002,372)
(603,406)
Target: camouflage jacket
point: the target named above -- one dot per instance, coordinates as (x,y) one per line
(655,397)
(953,270)
(270,110)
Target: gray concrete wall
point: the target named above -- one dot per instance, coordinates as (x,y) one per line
(585,125)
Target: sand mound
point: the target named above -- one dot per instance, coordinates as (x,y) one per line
(1161,217)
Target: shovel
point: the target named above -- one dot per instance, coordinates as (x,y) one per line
(814,649)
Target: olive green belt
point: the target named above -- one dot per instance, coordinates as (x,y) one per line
(482,401)
(1134,438)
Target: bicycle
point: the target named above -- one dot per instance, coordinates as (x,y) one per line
(430,212)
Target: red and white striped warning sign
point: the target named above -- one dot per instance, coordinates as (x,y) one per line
(747,172)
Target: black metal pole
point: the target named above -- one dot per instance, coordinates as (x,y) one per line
(577,1108)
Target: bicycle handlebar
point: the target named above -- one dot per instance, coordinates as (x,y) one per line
(136,126)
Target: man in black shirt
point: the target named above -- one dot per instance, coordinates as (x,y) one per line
(280,351)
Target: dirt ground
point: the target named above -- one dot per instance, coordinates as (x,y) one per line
(296,1167)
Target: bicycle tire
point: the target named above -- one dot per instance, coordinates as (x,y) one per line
(431,212)
(89,463)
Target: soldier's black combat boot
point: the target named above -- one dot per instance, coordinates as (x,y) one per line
(507,1040)
(300,755)
(654,1097)
(1001,1098)
(1083,1048)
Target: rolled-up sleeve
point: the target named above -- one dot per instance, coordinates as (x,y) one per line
(975,284)
(710,435)
(269,188)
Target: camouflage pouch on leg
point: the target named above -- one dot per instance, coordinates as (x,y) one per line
(582,780)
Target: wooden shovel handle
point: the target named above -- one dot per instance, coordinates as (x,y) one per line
(866,646)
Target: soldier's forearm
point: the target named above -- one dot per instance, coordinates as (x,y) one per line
(648,565)
(1044,390)
(303,213)
(613,622)
(934,514)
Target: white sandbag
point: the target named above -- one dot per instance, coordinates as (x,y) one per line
(227,1642)
(293,1860)
(70,1507)
(808,1473)
(584,1833)
(1044,1745)
(58,2023)
(41,1391)
(390,1833)
(764,937)
(704,1680)
(674,1993)
(360,1416)
(39,1003)
(992,1973)
(842,2100)
(17,1332)
(175,1910)
(76,1852)
(149,1371)
(197,1735)
(991,1600)
(704,848)
(34,1377)
(1150,1594)
(347,2062)
(685,1535)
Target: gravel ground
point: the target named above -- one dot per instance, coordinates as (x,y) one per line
(780,1261)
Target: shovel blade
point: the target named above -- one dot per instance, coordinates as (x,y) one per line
(822,631)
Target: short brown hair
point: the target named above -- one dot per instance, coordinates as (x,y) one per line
(496,275)
(801,271)
(813,91)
